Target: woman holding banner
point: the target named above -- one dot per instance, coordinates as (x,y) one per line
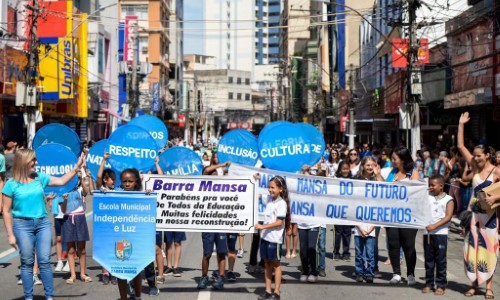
(481,239)
(403,170)
(26,218)
(353,159)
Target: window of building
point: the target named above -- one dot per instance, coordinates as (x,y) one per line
(238,81)
(247,97)
(230,79)
(141,11)
(230,96)
(247,81)
(100,54)
(238,96)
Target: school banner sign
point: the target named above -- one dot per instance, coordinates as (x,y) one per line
(204,203)
(321,200)
(124,232)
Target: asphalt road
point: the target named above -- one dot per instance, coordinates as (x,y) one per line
(337,284)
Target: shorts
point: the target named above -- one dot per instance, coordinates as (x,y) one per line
(211,238)
(74,229)
(2,176)
(270,251)
(170,237)
(58,226)
(231,241)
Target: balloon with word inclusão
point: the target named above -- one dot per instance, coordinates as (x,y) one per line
(56,160)
(180,161)
(131,146)
(317,142)
(154,126)
(238,146)
(59,134)
(284,147)
(94,159)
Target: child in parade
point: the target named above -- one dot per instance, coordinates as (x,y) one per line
(365,235)
(436,236)
(58,221)
(342,232)
(131,181)
(74,229)
(105,181)
(277,218)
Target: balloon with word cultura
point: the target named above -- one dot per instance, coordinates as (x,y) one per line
(59,134)
(131,146)
(238,146)
(154,126)
(284,147)
(56,160)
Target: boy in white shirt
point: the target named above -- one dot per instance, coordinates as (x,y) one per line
(436,236)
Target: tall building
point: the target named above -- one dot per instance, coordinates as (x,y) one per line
(267,16)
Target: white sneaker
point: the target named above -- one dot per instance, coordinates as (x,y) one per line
(411,280)
(395,279)
(20,281)
(66,267)
(303,278)
(240,253)
(36,279)
(59,266)
(312,279)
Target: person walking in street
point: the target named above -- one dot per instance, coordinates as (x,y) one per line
(404,169)
(26,218)
(481,239)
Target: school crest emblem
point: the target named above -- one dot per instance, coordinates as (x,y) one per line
(123,249)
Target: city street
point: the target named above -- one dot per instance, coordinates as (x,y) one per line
(337,284)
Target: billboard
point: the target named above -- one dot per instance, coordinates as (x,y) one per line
(130,42)
(400,49)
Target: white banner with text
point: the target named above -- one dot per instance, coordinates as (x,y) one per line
(204,203)
(321,200)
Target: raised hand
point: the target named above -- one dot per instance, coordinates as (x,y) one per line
(464,118)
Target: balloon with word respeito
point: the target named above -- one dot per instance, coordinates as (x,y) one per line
(317,142)
(131,146)
(181,161)
(238,146)
(285,147)
(56,160)
(94,159)
(154,126)
(59,134)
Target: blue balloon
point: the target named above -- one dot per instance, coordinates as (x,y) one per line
(59,134)
(94,158)
(181,161)
(271,125)
(317,142)
(154,126)
(56,160)
(238,146)
(285,147)
(131,146)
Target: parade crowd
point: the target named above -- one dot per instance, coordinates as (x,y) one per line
(456,174)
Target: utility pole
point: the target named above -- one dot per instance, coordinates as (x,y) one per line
(330,102)
(352,108)
(32,74)
(133,91)
(413,80)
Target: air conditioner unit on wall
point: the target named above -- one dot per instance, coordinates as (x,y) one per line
(144,50)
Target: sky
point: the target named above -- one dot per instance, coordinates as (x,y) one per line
(193,11)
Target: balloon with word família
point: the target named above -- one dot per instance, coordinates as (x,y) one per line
(56,160)
(238,146)
(130,146)
(181,161)
(285,147)
(59,134)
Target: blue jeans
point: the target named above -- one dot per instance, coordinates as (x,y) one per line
(322,248)
(34,235)
(365,260)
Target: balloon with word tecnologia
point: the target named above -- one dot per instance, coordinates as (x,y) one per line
(59,134)
(238,146)
(284,147)
(317,142)
(56,160)
(154,126)
(180,161)
(94,159)
(130,146)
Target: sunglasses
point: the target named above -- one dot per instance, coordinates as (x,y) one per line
(353,154)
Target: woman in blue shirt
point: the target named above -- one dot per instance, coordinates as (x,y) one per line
(26,218)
